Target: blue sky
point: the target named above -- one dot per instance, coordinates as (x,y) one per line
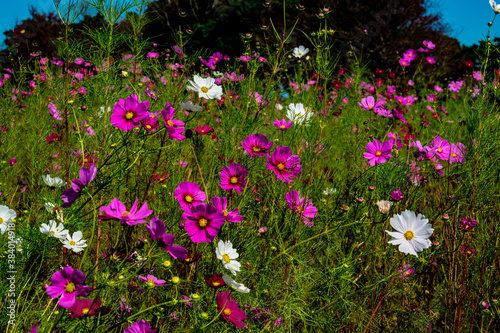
(467,18)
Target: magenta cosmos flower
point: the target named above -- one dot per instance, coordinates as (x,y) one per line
(152,281)
(230,310)
(203,223)
(301,206)
(166,241)
(284,164)
(440,148)
(128,113)
(175,128)
(257,145)
(189,195)
(67,283)
(378,152)
(85,307)
(233,177)
(70,195)
(140,326)
(221,205)
(282,124)
(116,210)
(369,103)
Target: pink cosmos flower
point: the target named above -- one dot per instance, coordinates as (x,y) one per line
(410,54)
(428,44)
(282,124)
(285,165)
(404,62)
(369,103)
(189,195)
(477,75)
(203,223)
(457,153)
(140,326)
(233,177)
(439,147)
(150,123)
(70,195)
(152,281)
(430,60)
(378,152)
(229,309)
(85,307)
(67,283)
(203,130)
(56,114)
(128,113)
(174,127)
(301,206)
(396,195)
(116,210)
(221,205)
(166,241)
(257,145)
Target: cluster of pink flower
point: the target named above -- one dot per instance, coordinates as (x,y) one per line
(411,55)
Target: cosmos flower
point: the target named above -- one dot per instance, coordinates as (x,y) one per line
(468,224)
(494,6)
(189,195)
(54,230)
(235,285)
(152,281)
(378,152)
(300,51)
(232,177)
(457,152)
(85,307)
(440,148)
(229,309)
(174,127)
(227,255)
(70,195)
(286,166)
(257,145)
(53,182)
(282,124)
(205,130)
(221,205)
(166,241)
(396,195)
(6,217)
(215,281)
(412,232)
(128,113)
(301,206)
(205,87)
(189,106)
(369,103)
(140,326)
(298,114)
(75,242)
(384,206)
(202,223)
(67,283)
(116,210)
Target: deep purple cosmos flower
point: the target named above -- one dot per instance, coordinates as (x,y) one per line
(230,310)
(378,152)
(85,308)
(257,145)
(468,224)
(282,124)
(70,195)
(116,210)
(396,195)
(203,223)
(285,165)
(189,195)
(233,177)
(128,113)
(166,241)
(140,326)
(221,205)
(67,283)
(301,206)
(175,128)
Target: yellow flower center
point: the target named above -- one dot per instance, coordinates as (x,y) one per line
(70,287)
(409,235)
(227,312)
(1,220)
(202,131)
(225,212)
(188,198)
(202,222)
(215,284)
(148,126)
(299,209)
(151,283)
(125,213)
(22,31)
(299,114)
(379,153)
(170,123)
(282,126)
(300,53)
(454,155)
(439,150)
(204,89)
(85,310)
(234,180)
(52,233)
(256,149)
(280,166)
(226,258)
(72,243)
(370,106)
(129,115)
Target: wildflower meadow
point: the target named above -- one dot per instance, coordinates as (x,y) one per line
(170,189)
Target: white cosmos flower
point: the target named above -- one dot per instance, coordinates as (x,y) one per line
(53,182)
(54,230)
(300,51)
(190,106)
(235,285)
(495,7)
(279,106)
(205,87)
(75,242)
(412,232)
(298,114)
(227,254)
(6,216)
(384,206)
(329,191)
